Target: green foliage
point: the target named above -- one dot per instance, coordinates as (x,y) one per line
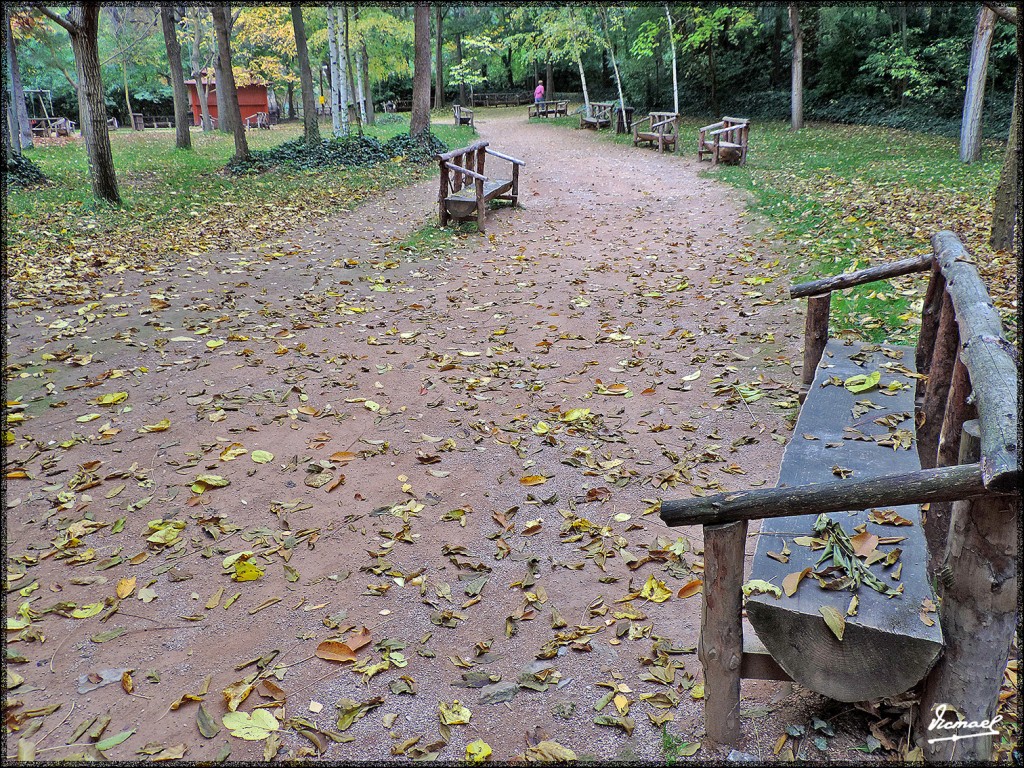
(22,172)
(348,151)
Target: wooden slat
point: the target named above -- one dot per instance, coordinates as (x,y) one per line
(861,276)
(886,648)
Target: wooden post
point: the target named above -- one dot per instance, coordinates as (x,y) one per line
(940,374)
(936,521)
(515,183)
(442,208)
(815,338)
(978,617)
(721,629)
(931,311)
(481,206)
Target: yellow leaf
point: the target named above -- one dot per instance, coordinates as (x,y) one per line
(125,587)
(160,426)
(261,457)
(246,571)
(533,480)
(477,751)
(834,619)
(655,590)
(233,451)
(87,611)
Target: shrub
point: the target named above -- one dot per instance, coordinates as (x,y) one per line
(22,172)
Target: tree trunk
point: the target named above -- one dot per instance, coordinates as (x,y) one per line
(353,87)
(549,77)
(127,95)
(776,74)
(583,84)
(227,84)
(311,127)
(182,114)
(290,96)
(83,26)
(359,86)
(1006,208)
(615,65)
(332,44)
(458,59)
(364,67)
(223,118)
(202,91)
(974,98)
(797,83)
(675,67)
(341,30)
(419,121)
(22,125)
(439,63)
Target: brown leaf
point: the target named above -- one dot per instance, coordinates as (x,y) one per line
(691,588)
(792,581)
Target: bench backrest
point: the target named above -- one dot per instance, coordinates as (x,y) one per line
(470,158)
(665,122)
(601,109)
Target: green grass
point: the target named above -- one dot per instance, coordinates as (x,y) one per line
(674,748)
(181,201)
(842,197)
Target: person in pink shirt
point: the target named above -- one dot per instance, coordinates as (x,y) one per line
(538,92)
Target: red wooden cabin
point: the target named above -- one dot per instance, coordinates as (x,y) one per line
(254,96)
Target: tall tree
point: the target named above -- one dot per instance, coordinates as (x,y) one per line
(200,73)
(797,82)
(419,120)
(1006,208)
(332,46)
(974,96)
(221,14)
(182,114)
(439,60)
(311,127)
(24,127)
(81,22)
(341,29)
(675,68)
(606,26)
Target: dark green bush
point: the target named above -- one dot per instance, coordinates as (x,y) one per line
(22,172)
(350,151)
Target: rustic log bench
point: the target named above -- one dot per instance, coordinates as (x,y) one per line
(466,189)
(258,120)
(889,642)
(600,115)
(548,109)
(660,129)
(725,140)
(463,115)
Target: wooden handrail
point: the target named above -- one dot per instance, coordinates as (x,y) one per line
(941,484)
(463,151)
(465,172)
(990,360)
(505,157)
(670,121)
(861,276)
(719,124)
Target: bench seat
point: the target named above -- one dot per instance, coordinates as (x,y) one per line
(462,204)
(886,648)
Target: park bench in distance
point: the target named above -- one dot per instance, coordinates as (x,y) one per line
(662,129)
(600,115)
(963,365)
(466,190)
(725,140)
(258,120)
(463,115)
(548,109)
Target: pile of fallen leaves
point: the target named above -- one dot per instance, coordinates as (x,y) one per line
(22,172)
(348,151)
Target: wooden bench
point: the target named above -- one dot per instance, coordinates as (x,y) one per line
(466,189)
(662,129)
(548,109)
(852,459)
(463,115)
(503,99)
(600,115)
(258,120)
(725,140)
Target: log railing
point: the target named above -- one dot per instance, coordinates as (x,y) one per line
(970,474)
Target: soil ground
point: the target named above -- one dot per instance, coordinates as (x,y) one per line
(447,376)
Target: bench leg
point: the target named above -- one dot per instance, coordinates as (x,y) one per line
(515,184)
(721,629)
(481,206)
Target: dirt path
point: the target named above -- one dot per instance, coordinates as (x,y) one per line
(483,502)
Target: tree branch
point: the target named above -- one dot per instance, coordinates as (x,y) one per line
(1005,12)
(58,19)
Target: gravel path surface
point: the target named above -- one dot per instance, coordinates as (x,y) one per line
(504,410)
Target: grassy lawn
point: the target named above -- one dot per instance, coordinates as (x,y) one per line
(845,197)
(179,201)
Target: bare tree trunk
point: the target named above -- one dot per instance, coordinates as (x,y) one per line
(583,84)
(23,126)
(364,67)
(675,69)
(82,24)
(182,114)
(974,98)
(353,86)
(439,62)
(611,52)
(223,119)
(220,24)
(202,91)
(419,122)
(127,94)
(458,59)
(341,30)
(1006,206)
(549,77)
(797,84)
(332,44)
(311,127)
